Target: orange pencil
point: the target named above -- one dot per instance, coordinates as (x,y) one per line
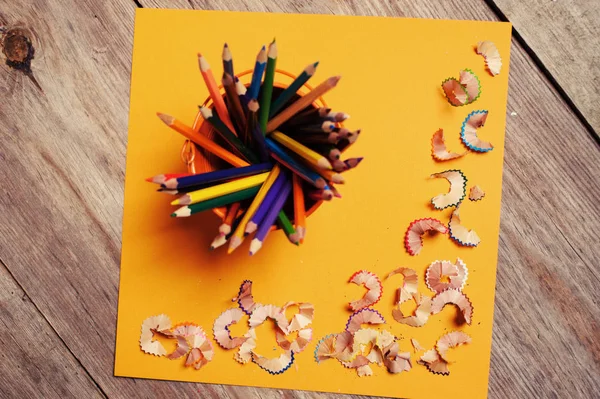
(202,140)
(232,211)
(214,92)
(299,209)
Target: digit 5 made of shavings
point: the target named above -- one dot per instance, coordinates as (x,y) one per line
(458,189)
(455,297)
(449,341)
(420,315)
(476,193)
(372,283)
(409,287)
(459,233)
(363,316)
(438,148)
(221,328)
(160,324)
(413,239)
(463,91)
(468,132)
(441,270)
(492,56)
(245,299)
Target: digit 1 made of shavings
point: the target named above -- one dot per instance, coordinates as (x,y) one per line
(409,286)
(372,283)
(476,193)
(221,328)
(468,132)
(420,315)
(492,56)
(413,239)
(459,233)
(201,351)
(463,91)
(449,341)
(276,365)
(434,363)
(160,324)
(439,271)
(325,348)
(458,189)
(455,297)
(245,299)
(363,316)
(438,148)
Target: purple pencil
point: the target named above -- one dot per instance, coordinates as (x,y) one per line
(266,203)
(265,226)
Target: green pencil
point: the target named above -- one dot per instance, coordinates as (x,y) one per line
(267,87)
(216,202)
(288,228)
(291,90)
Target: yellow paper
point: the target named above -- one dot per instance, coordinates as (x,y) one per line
(391,71)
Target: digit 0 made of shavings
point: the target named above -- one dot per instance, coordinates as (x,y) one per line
(443,274)
(468,132)
(245,299)
(419,316)
(363,316)
(413,239)
(221,328)
(372,283)
(454,297)
(438,148)
(464,90)
(409,286)
(160,324)
(492,56)
(449,341)
(459,233)
(476,193)
(458,189)
(276,365)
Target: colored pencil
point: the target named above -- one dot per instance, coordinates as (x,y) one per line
(331,176)
(352,163)
(216,202)
(202,141)
(299,207)
(344,144)
(308,138)
(302,103)
(335,192)
(213,90)
(238,235)
(318,195)
(221,189)
(227,60)
(325,127)
(241,91)
(301,150)
(160,179)
(292,89)
(256,132)
(216,176)
(338,165)
(266,203)
(182,190)
(311,115)
(235,106)
(221,239)
(266,93)
(227,134)
(265,226)
(232,211)
(342,132)
(259,69)
(288,228)
(289,162)
(337,116)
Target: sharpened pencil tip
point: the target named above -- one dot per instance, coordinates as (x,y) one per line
(316,64)
(150,179)
(274,39)
(173,215)
(225,45)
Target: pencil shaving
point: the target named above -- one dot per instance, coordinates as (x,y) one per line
(372,283)
(434,363)
(245,299)
(409,286)
(476,193)
(221,328)
(468,132)
(449,341)
(441,275)
(150,326)
(458,189)
(438,148)
(459,233)
(420,315)
(454,297)
(364,316)
(492,56)
(274,366)
(413,239)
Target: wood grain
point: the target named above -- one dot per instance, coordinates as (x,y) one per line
(62,170)
(565,35)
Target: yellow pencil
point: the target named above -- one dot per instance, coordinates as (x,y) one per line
(303,151)
(238,235)
(221,189)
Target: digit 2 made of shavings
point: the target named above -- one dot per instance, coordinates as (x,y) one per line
(372,283)
(464,90)
(455,297)
(491,54)
(468,132)
(458,189)
(409,286)
(438,148)
(413,239)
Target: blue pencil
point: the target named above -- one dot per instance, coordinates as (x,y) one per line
(259,70)
(295,166)
(216,176)
(265,226)
(266,203)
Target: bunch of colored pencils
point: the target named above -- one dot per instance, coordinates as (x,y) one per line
(285,153)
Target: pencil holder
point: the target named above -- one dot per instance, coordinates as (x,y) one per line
(201,161)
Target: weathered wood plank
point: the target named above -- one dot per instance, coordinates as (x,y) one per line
(565,35)
(65,206)
(35,362)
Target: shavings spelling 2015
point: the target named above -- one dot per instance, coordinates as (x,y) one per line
(257,315)
(279,152)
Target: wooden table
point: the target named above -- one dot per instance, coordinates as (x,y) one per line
(63,135)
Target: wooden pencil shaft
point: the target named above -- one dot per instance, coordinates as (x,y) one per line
(267,202)
(233,100)
(257,74)
(292,89)
(216,176)
(270,217)
(213,90)
(227,60)
(295,166)
(267,87)
(223,200)
(301,150)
